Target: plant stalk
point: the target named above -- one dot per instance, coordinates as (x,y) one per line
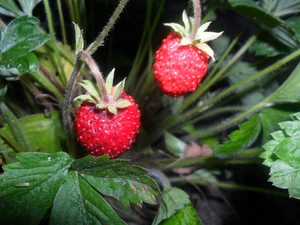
(197,18)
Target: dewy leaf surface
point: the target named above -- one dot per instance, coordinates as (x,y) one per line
(28,188)
(282,155)
(78,203)
(20,37)
(116,178)
(242,138)
(174,199)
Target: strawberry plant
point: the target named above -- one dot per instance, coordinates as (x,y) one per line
(109,117)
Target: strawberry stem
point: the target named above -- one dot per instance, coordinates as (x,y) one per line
(97,74)
(197,18)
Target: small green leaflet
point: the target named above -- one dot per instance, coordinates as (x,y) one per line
(242,138)
(18,40)
(282,155)
(39,181)
(176,208)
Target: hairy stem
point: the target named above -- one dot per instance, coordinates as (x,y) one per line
(197,18)
(78,64)
(96,72)
(99,41)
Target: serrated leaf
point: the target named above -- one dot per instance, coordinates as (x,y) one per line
(282,8)
(267,21)
(78,203)
(187,215)
(267,46)
(283,157)
(288,91)
(174,145)
(272,116)
(27,188)
(129,184)
(242,138)
(78,38)
(174,199)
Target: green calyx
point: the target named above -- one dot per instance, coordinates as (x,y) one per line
(112,102)
(201,37)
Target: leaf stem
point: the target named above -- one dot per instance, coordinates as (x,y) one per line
(97,74)
(53,40)
(62,22)
(227,185)
(197,18)
(14,127)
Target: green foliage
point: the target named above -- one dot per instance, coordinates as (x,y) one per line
(176,208)
(282,156)
(18,40)
(174,145)
(116,178)
(71,186)
(266,20)
(242,138)
(10,8)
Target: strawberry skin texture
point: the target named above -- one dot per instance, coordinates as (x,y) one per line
(101,132)
(179,69)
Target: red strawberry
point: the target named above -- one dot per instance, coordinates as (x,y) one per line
(106,125)
(102,132)
(182,60)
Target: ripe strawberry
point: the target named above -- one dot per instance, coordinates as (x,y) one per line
(106,127)
(182,60)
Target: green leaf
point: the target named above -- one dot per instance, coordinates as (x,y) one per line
(282,155)
(11,69)
(78,203)
(267,21)
(20,37)
(10,8)
(129,184)
(270,118)
(294,23)
(28,188)
(28,6)
(242,138)
(79,38)
(174,145)
(42,134)
(282,8)
(288,91)
(174,200)
(187,215)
